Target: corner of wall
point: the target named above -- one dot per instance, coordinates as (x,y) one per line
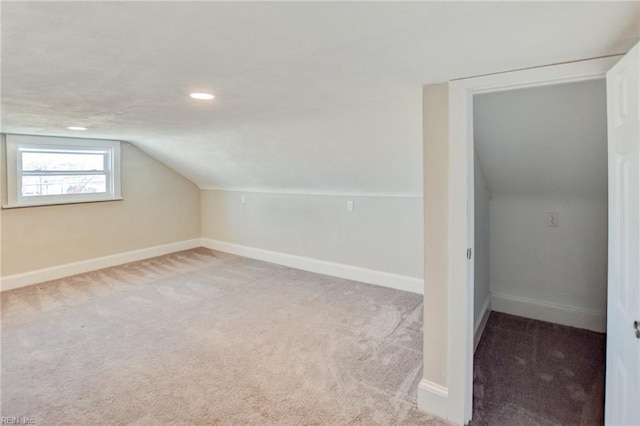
(571,316)
(481,322)
(433,398)
(159,207)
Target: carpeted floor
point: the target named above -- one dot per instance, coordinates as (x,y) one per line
(529,372)
(201,337)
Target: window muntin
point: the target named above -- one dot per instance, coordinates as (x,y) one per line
(48,170)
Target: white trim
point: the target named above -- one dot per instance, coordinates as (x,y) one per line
(432,398)
(461,328)
(481,322)
(369,276)
(109,149)
(543,76)
(314,193)
(47,274)
(573,316)
(460,308)
(61,203)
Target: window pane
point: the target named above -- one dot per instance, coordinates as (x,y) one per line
(61,161)
(36,186)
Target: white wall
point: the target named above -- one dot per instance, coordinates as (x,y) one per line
(481,247)
(382,233)
(159,207)
(544,149)
(566,265)
(541,141)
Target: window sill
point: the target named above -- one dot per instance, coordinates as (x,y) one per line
(61,203)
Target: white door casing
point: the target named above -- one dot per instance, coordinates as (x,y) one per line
(471,252)
(622,395)
(459,365)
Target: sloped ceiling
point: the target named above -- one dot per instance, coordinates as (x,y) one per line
(544,141)
(310,97)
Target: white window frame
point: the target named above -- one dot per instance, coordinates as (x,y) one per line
(15,144)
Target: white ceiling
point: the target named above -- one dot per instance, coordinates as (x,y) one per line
(544,141)
(311,97)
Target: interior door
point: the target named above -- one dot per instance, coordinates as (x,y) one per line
(622,400)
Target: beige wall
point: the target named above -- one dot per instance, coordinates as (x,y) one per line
(436,234)
(382,233)
(159,207)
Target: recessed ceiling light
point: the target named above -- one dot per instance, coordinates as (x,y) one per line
(202,96)
(76,128)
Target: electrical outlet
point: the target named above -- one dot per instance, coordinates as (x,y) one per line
(553,220)
(349,206)
(243,199)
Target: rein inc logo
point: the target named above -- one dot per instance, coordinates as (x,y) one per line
(17,421)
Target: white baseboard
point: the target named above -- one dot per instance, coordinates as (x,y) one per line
(47,274)
(369,276)
(481,321)
(552,312)
(433,398)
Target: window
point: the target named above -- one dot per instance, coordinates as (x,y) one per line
(49,170)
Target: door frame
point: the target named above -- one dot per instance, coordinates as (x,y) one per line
(461,212)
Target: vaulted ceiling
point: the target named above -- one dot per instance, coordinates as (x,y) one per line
(544,141)
(311,97)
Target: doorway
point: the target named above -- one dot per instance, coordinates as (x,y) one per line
(460,214)
(540,264)
(446,388)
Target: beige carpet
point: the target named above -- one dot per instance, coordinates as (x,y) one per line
(201,337)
